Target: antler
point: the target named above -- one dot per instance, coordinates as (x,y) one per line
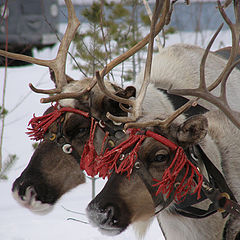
(57,64)
(136,104)
(105,70)
(114,62)
(203,91)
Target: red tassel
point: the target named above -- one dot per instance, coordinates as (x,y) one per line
(166,185)
(109,161)
(89,154)
(39,125)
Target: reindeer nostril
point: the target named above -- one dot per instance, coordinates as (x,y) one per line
(115,221)
(110,212)
(105,215)
(32,192)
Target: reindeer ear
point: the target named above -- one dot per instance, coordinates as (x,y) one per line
(193,130)
(52,76)
(111,106)
(128,92)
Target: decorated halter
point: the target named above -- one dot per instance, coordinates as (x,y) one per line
(39,125)
(116,159)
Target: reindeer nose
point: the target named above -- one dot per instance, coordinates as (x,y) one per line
(109,213)
(101,216)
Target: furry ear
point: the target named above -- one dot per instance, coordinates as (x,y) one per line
(128,92)
(193,130)
(111,106)
(52,76)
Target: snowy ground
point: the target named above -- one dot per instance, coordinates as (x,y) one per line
(17,223)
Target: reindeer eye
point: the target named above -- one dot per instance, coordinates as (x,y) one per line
(82,130)
(161,156)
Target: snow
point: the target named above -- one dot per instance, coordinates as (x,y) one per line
(18,223)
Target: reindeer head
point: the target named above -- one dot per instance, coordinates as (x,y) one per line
(54,167)
(125,200)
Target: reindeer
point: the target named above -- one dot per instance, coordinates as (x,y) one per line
(152,171)
(45,179)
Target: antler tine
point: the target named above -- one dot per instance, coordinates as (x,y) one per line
(57,64)
(60,95)
(147,72)
(235,40)
(102,86)
(29,59)
(112,64)
(166,122)
(202,84)
(60,60)
(136,105)
(49,91)
(202,91)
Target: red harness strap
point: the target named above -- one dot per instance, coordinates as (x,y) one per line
(39,125)
(114,159)
(166,185)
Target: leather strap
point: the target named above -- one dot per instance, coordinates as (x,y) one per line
(215,175)
(177,101)
(147,179)
(216,190)
(159,201)
(193,212)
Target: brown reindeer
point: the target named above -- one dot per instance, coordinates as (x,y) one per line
(48,172)
(165,172)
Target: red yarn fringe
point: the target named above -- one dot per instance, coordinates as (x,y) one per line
(115,159)
(39,125)
(169,178)
(88,159)
(104,163)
